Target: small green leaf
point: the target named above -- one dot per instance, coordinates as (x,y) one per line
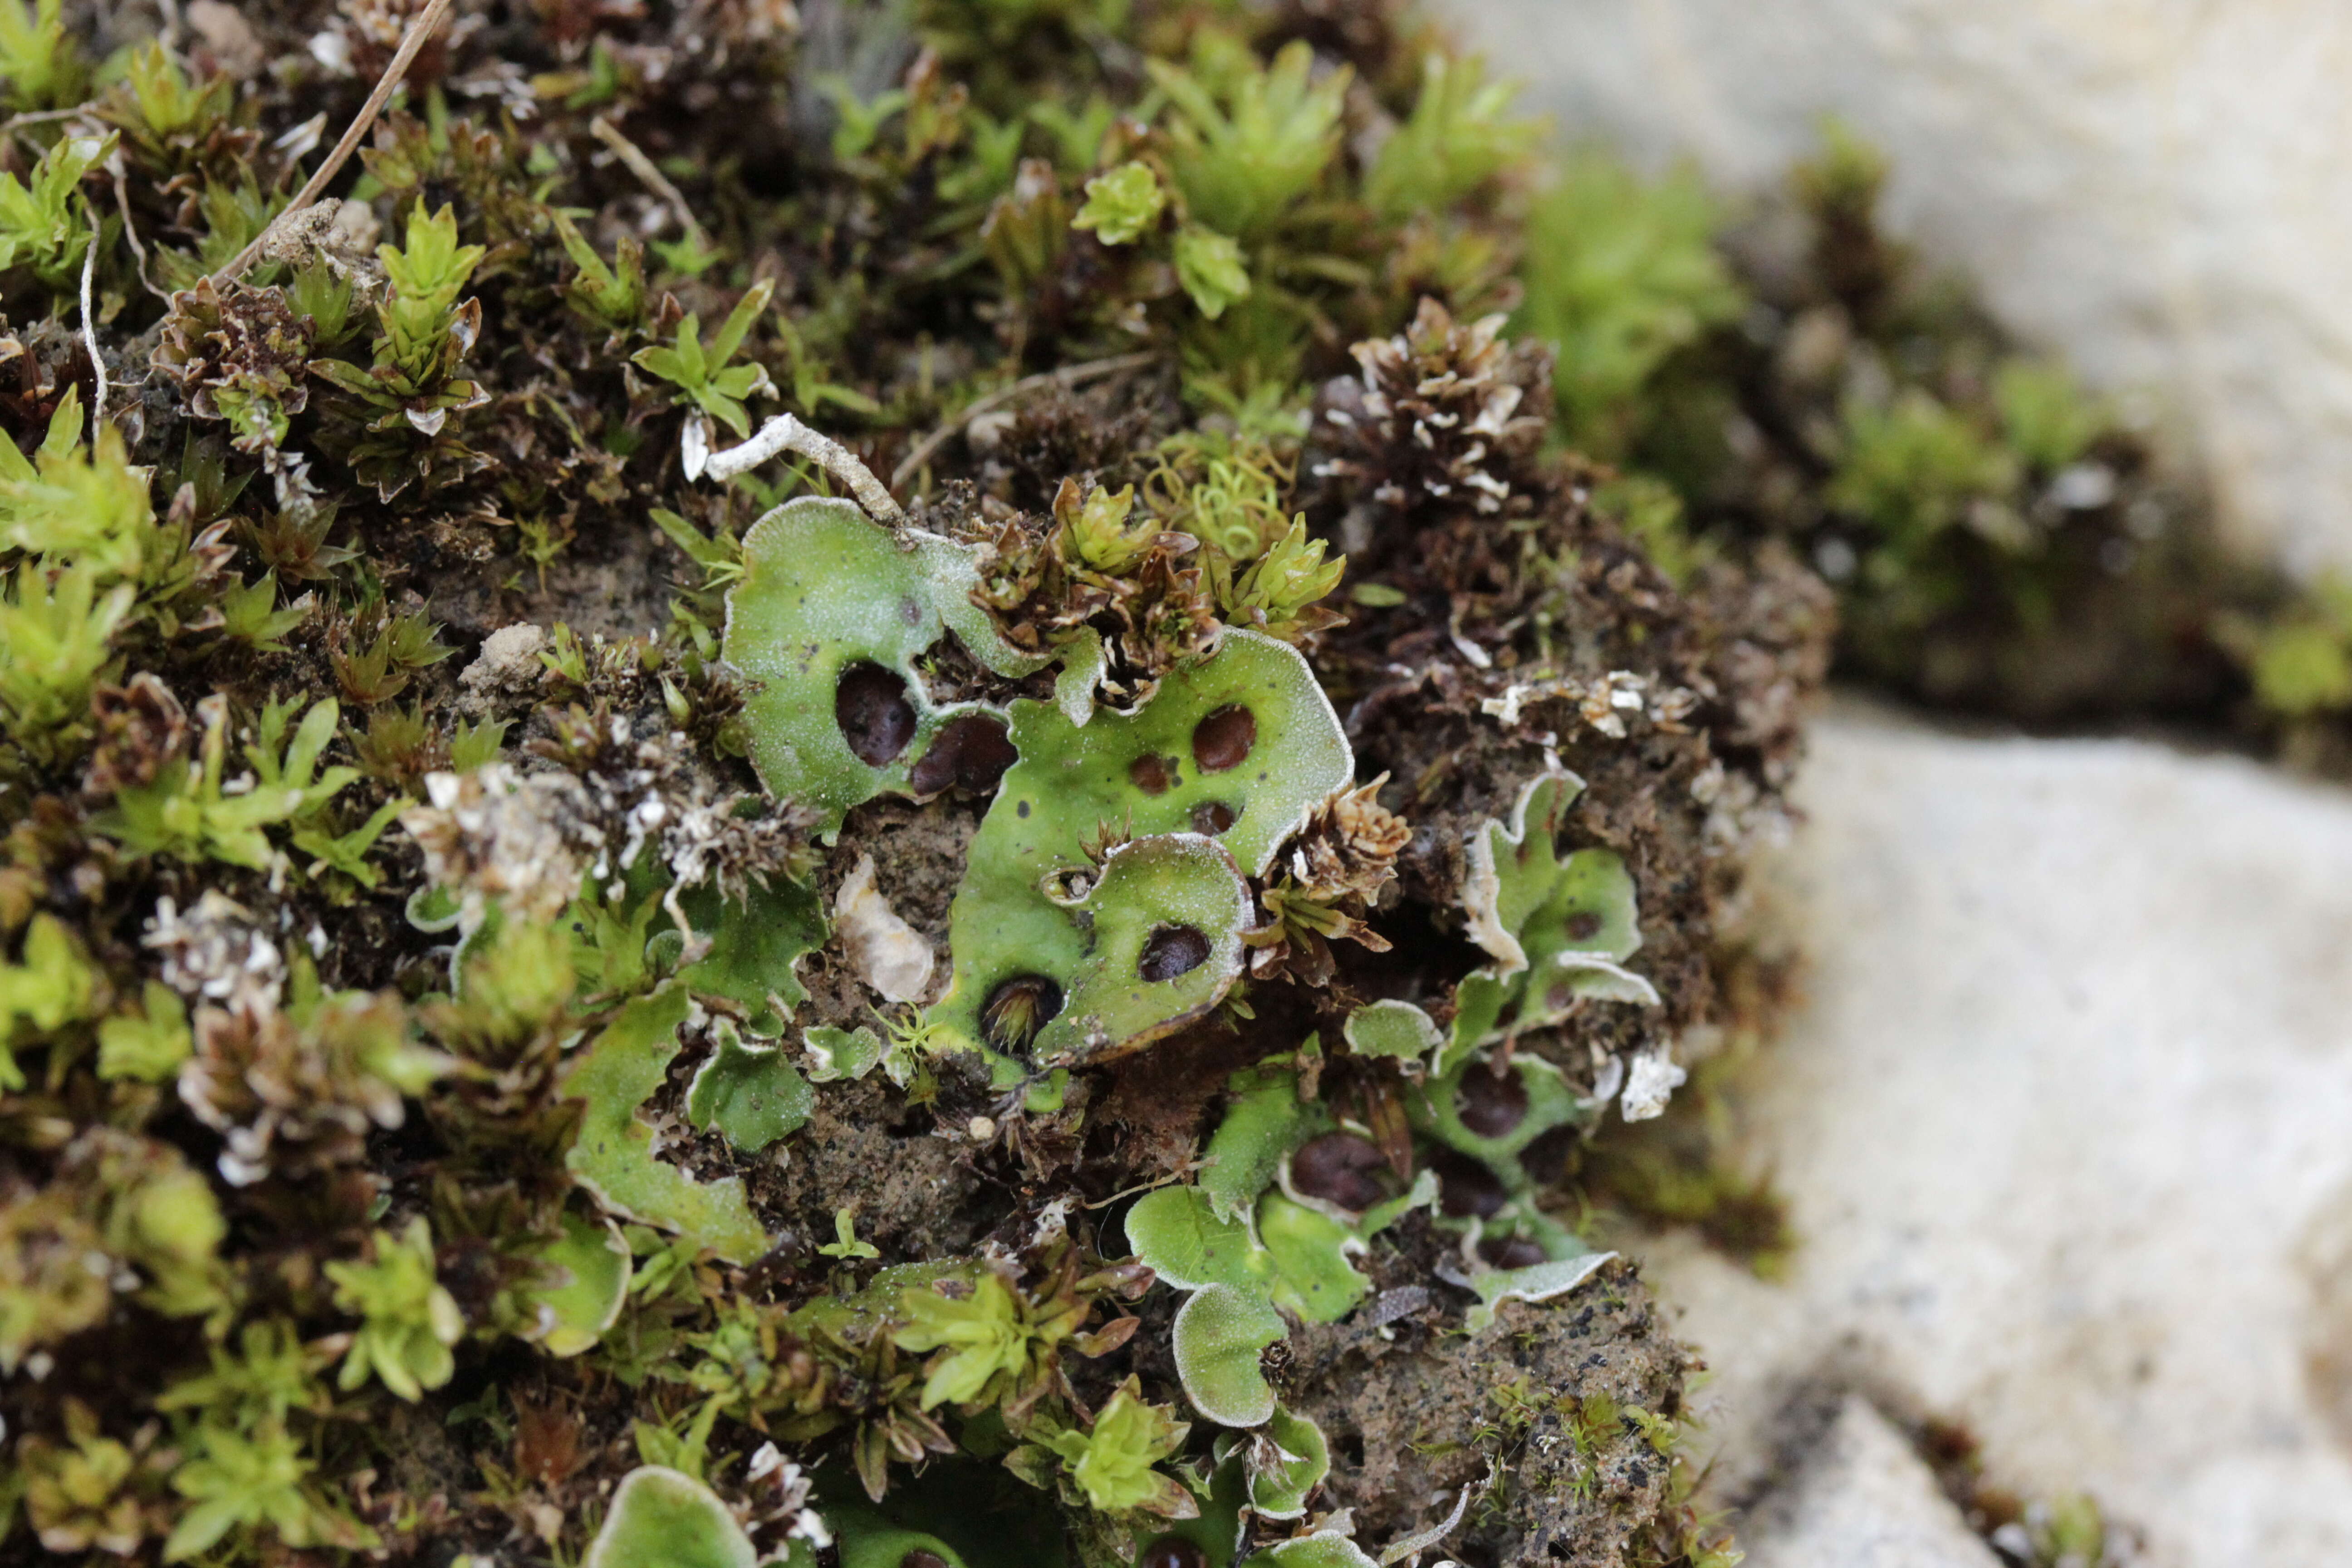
(838,1054)
(1210,267)
(475,743)
(148,1046)
(614,1155)
(52,985)
(1323,1548)
(1280,1490)
(575,1314)
(738,320)
(249,615)
(750,1093)
(845,1243)
(665,1518)
(1396,1029)
(1123,205)
(1219,1335)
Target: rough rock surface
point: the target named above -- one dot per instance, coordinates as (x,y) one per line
(2153,188)
(2061,1123)
(1863,1499)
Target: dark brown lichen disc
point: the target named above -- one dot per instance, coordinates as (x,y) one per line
(1342,1169)
(1171,951)
(1224,738)
(1491,1105)
(1150,775)
(973,752)
(1214,816)
(1512,1252)
(1172,1552)
(871,707)
(1546,1159)
(1465,1189)
(1017,1009)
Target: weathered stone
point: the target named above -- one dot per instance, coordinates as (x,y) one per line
(2062,1127)
(2153,189)
(1863,1499)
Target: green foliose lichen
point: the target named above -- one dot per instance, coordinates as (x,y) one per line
(1197,790)
(830,617)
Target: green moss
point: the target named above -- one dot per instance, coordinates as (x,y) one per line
(1110,1466)
(1618,274)
(409,1319)
(1914,470)
(1250,140)
(571,1212)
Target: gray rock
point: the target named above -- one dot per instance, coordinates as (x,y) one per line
(2066,1123)
(2155,189)
(1861,1499)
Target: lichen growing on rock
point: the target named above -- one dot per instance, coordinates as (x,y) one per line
(1007,972)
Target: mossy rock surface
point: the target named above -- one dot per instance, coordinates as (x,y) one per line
(574,999)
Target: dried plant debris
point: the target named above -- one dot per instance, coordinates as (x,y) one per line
(856,784)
